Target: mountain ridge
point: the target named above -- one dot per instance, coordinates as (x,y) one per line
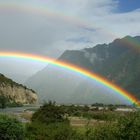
(118,61)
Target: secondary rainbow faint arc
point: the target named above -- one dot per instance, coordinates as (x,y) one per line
(73,68)
(45,10)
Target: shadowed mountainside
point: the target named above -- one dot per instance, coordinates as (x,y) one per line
(118,61)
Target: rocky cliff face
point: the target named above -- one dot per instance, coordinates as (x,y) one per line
(15,92)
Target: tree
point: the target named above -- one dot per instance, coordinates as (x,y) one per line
(3,101)
(49,122)
(111,107)
(50,113)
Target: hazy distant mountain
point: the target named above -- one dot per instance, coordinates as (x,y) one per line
(119,61)
(15,92)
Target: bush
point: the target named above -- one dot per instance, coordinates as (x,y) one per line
(50,123)
(49,113)
(105,116)
(55,131)
(128,127)
(104,131)
(10,128)
(3,101)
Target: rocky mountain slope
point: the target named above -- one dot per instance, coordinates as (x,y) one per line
(15,92)
(118,61)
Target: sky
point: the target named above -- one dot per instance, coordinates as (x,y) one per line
(128,5)
(49,27)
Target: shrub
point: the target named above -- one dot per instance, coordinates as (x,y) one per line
(104,131)
(10,128)
(49,113)
(3,101)
(55,131)
(105,116)
(128,127)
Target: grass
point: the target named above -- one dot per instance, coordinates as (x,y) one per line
(79,121)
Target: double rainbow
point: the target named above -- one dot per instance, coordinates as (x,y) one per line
(72,68)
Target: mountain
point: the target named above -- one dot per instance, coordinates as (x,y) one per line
(119,61)
(16,93)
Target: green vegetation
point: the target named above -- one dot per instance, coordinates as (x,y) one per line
(14,104)
(6,81)
(126,128)
(6,102)
(101,115)
(49,113)
(93,113)
(54,131)
(11,128)
(51,122)
(3,101)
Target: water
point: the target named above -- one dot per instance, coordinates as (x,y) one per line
(17,109)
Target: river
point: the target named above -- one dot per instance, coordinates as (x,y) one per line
(18,109)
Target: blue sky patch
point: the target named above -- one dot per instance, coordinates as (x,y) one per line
(128,5)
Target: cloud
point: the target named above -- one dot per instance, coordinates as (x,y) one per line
(49,27)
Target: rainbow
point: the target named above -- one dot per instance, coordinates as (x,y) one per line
(43,10)
(72,68)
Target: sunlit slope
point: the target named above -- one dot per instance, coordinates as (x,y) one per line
(16,93)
